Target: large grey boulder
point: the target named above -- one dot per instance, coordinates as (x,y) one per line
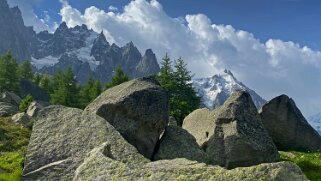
(10,98)
(178,143)
(63,136)
(288,127)
(99,166)
(232,135)
(7,109)
(20,118)
(34,109)
(138,109)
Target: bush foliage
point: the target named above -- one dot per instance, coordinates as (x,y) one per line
(14,140)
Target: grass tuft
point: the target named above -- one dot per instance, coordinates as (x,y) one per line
(309,162)
(14,140)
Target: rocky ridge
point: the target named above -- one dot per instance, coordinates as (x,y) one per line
(87,52)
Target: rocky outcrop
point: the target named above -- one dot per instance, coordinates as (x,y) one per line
(138,109)
(34,109)
(232,135)
(62,137)
(10,98)
(14,34)
(288,127)
(7,109)
(99,166)
(20,118)
(148,65)
(178,143)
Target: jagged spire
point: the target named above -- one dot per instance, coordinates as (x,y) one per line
(63,26)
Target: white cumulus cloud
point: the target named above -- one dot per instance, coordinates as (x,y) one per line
(112,8)
(271,68)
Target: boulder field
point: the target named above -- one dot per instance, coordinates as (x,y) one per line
(124,135)
(233,134)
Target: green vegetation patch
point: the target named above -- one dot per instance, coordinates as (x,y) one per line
(310,163)
(14,140)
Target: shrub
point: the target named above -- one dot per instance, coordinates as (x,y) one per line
(309,162)
(25,103)
(14,140)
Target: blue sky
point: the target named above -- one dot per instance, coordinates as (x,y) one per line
(272,46)
(289,20)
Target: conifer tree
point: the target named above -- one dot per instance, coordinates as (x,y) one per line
(36,78)
(90,91)
(85,97)
(118,78)
(184,98)
(9,79)
(165,77)
(25,70)
(95,91)
(44,83)
(72,87)
(65,89)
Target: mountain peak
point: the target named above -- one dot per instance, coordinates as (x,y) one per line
(149,53)
(100,45)
(216,89)
(228,72)
(130,44)
(4,4)
(62,26)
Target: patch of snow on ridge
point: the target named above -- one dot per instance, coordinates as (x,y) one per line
(215,90)
(83,54)
(44,62)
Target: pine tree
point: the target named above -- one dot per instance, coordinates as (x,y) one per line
(44,83)
(65,90)
(85,97)
(118,78)
(89,92)
(184,99)
(95,91)
(9,79)
(72,88)
(25,71)
(37,77)
(165,76)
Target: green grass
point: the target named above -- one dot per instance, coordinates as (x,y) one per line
(14,140)
(310,163)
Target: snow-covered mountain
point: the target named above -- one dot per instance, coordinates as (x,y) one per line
(216,89)
(86,51)
(315,122)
